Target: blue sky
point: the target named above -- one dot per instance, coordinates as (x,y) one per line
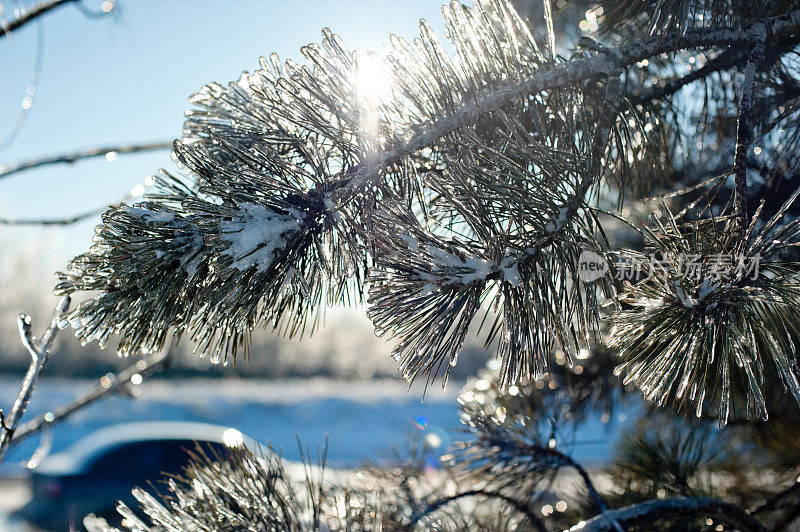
(126,79)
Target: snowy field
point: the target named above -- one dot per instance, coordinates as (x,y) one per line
(363,419)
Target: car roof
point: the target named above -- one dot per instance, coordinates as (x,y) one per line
(76,457)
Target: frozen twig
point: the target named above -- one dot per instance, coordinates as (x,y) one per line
(84,153)
(729,58)
(32,14)
(744,134)
(607,515)
(107,386)
(69,220)
(38,10)
(39,351)
(69,158)
(33,84)
(600,141)
(520,506)
(643,515)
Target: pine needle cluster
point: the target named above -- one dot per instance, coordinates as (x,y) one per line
(443,185)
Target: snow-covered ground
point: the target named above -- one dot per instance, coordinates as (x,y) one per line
(364,420)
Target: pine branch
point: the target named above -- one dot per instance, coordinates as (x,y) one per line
(521,507)
(498,449)
(595,495)
(600,142)
(633,18)
(508,452)
(647,513)
(704,329)
(559,75)
(775,499)
(84,153)
(729,58)
(39,351)
(242,488)
(301,181)
(744,134)
(667,455)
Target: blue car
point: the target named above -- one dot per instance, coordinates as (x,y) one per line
(103,468)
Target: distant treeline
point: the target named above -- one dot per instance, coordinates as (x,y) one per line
(346,348)
(343,347)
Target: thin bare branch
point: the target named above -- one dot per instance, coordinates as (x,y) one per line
(85,153)
(32,14)
(106,387)
(30,92)
(53,221)
(69,158)
(39,351)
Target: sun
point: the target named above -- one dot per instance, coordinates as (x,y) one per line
(373,82)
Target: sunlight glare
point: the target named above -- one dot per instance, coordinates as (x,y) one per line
(232,438)
(373,82)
